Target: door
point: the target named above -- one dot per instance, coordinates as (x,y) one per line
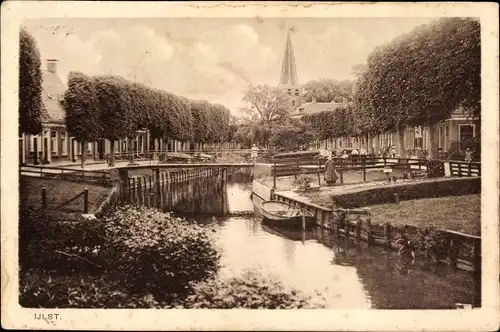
(466,136)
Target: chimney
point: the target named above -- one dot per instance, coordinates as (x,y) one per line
(52,65)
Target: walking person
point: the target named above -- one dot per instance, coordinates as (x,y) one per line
(468,155)
(330,172)
(254,153)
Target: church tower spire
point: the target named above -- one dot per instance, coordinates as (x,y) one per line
(288,68)
(289,82)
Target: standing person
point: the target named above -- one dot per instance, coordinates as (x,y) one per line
(468,155)
(330,172)
(345,156)
(255,152)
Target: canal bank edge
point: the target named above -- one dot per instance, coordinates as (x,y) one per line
(381,234)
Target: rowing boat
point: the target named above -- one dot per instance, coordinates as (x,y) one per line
(283,214)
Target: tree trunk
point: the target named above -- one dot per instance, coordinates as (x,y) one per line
(431,142)
(376,146)
(400,133)
(82,144)
(369,140)
(35,151)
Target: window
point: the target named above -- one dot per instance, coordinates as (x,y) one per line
(289,92)
(296,92)
(53,141)
(64,145)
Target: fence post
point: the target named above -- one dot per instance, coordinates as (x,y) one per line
(341,173)
(364,169)
(387,235)
(459,169)
(358,229)
(470,173)
(297,168)
(274,175)
(319,172)
(44,198)
(396,198)
(369,231)
(85,200)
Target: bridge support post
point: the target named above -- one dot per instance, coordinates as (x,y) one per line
(123,177)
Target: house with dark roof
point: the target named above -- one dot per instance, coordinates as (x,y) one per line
(54,143)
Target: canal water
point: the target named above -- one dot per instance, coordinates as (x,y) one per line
(330,269)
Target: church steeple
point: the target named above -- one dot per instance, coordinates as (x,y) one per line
(288,68)
(289,82)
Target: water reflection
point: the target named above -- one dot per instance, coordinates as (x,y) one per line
(346,274)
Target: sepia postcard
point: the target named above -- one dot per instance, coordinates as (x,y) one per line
(250,166)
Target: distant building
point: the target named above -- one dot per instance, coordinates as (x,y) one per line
(54,142)
(289,82)
(453,135)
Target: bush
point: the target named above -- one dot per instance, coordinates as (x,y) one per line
(151,250)
(408,191)
(250,291)
(430,242)
(41,290)
(59,246)
(303,182)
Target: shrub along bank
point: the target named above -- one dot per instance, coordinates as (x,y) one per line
(135,257)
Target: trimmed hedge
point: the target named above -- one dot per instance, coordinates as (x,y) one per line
(408,191)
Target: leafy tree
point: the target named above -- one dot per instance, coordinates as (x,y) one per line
(332,123)
(82,110)
(290,134)
(326,90)
(30,88)
(30,85)
(115,117)
(421,77)
(201,126)
(266,103)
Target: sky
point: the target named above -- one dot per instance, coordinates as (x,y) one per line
(212,58)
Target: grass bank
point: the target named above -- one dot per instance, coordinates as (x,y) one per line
(456,213)
(58,192)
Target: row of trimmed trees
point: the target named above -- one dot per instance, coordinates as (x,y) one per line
(112,107)
(418,79)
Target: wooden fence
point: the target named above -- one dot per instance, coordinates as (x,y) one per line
(306,165)
(84,195)
(462,168)
(460,250)
(62,173)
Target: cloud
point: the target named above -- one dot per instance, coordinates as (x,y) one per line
(213,59)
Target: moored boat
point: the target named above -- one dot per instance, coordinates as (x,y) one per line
(281,214)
